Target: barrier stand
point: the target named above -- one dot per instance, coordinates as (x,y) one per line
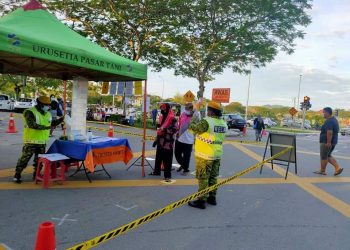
(134,224)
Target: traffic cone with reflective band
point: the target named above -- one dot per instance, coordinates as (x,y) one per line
(244,130)
(11,127)
(46,239)
(110,130)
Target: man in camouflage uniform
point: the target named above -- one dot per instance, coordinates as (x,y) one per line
(210,133)
(37,125)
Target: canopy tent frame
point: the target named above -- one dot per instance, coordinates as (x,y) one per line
(72,56)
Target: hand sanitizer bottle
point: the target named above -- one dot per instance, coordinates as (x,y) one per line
(89,135)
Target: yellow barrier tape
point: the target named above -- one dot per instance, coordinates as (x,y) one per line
(132,225)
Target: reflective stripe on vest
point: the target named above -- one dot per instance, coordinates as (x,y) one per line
(208,145)
(35,136)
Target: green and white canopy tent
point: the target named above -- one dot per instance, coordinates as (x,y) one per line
(33,42)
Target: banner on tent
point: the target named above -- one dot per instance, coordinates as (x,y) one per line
(113,88)
(105,87)
(121,87)
(148,104)
(138,88)
(129,90)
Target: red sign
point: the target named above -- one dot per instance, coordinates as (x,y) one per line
(221,95)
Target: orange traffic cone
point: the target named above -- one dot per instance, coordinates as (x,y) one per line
(11,127)
(244,131)
(110,130)
(45,239)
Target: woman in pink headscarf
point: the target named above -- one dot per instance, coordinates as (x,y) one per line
(166,129)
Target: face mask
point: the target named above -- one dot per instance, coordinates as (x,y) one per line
(188,112)
(52,98)
(46,108)
(163,112)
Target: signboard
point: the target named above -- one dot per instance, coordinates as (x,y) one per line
(138,88)
(113,88)
(105,87)
(293,111)
(277,143)
(189,96)
(221,95)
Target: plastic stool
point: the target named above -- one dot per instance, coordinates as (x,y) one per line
(50,163)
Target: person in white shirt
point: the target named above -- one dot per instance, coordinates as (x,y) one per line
(185,140)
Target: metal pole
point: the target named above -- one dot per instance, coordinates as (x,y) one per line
(113,102)
(303,122)
(64,103)
(299,90)
(124,107)
(144,130)
(246,107)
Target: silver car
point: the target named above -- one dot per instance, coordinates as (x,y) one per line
(289,123)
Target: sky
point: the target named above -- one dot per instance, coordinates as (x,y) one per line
(322,59)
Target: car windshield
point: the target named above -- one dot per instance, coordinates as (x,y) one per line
(235,117)
(24,100)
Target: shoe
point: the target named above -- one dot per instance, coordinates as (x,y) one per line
(338,172)
(179,169)
(320,172)
(185,172)
(197,204)
(167,180)
(211,200)
(155,174)
(17,178)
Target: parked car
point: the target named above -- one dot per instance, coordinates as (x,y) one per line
(6,103)
(234,121)
(269,122)
(290,123)
(24,103)
(345,131)
(250,122)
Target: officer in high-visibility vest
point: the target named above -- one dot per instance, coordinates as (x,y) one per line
(37,125)
(210,133)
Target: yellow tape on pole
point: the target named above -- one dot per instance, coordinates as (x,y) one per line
(132,225)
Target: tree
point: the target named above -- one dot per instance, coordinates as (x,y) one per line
(234,107)
(211,35)
(134,29)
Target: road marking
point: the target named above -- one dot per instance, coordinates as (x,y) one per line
(62,220)
(125,208)
(318,193)
(3,246)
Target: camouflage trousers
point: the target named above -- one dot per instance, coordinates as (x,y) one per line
(207,172)
(28,151)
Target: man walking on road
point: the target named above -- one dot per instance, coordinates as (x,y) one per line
(37,125)
(328,140)
(210,134)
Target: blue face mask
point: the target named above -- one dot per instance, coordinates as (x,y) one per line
(188,112)
(46,108)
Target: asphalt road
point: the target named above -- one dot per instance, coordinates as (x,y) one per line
(253,212)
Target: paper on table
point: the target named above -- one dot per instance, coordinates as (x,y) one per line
(54,157)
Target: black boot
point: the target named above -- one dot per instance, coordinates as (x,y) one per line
(212,200)
(197,203)
(17,178)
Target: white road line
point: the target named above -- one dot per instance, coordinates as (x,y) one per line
(126,208)
(62,220)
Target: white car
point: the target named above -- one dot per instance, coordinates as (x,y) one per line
(24,103)
(345,131)
(6,103)
(269,123)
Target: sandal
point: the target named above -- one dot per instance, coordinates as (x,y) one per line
(338,172)
(319,172)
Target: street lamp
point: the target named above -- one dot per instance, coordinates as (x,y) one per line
(246,106)
(163,86)
(299,90)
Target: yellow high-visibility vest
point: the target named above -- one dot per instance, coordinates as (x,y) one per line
(208,145)
(36,136)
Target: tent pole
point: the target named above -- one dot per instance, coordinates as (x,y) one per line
(64,102)
(144,129)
